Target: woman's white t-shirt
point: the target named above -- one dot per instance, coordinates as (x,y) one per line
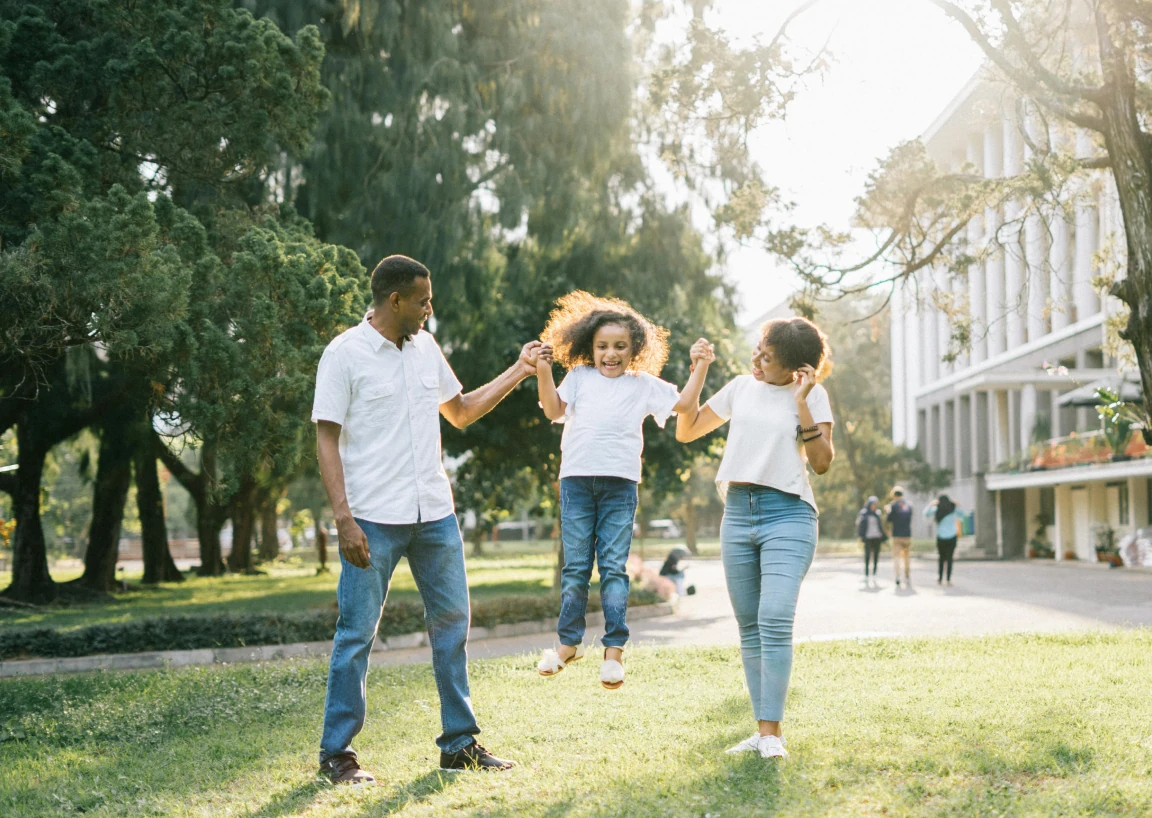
(763,447)
(604,420)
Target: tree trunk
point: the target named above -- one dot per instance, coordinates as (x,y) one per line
(113,476)
(31,581)
(690,526)
(269,543)
(321,540)
(243,527)
(158,563)
(850,451)
(210,519)
(1131,164)
(478,540)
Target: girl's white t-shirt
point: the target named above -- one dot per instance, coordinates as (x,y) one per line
(604,420)
(763,447)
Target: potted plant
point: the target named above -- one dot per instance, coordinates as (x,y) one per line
(1038,546)
(1106,550)
(1117,418)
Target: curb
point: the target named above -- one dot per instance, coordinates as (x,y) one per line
(268,653)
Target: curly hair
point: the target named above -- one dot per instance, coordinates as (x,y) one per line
(578,315)
(796,342)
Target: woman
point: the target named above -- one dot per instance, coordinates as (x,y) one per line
(781,422)
(945,514)
(871,532)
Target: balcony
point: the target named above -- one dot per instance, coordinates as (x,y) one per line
(1076,458)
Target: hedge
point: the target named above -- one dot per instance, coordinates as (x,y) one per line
(241,630)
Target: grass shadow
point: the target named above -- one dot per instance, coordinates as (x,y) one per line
(291,801)
(415,791)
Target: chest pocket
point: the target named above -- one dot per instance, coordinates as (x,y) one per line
(379,403)
(429,390)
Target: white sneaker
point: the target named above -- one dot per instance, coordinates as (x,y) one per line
(772,747)
(748,745)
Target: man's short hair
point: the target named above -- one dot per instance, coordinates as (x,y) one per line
(897,492)
(395,274)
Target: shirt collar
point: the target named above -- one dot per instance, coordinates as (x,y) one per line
(375,339)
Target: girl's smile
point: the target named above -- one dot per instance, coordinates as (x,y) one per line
(612,350)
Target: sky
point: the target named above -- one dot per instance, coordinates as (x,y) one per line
(898,63)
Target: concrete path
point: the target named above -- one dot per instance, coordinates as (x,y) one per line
(835,603)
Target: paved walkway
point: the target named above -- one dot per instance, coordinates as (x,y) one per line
(986,597)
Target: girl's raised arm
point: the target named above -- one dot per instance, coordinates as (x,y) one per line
(554,408)
(691,421)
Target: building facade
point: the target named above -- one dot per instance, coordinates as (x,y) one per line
(1008,417)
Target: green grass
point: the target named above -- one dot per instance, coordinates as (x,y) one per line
(1016,725)
(283,589)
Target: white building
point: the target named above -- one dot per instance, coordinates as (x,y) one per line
(1033,309)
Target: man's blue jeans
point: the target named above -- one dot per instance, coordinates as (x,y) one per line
(435,554)
(596,516)
(767,541)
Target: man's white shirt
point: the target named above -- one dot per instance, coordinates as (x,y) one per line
(387,402)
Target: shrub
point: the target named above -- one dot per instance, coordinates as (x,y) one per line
(241,630)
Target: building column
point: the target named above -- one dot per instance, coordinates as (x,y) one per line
(1060,273)
(1014,271)
(897,358)
(959,426)
(994,268)
(976,296)
(1087,240)
(998,445)
(1028,407)
(912,353)
(1035,251)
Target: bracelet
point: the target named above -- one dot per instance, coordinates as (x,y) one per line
(814,437)
(801,431)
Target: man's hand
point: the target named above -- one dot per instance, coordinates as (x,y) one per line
(702,352)
(353,542)
(529,356)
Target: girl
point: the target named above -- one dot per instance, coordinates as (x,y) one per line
(781,424)
(871,532)
(942,513)
(613,356)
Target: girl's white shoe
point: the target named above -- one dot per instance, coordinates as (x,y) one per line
(550,663)
(611,674)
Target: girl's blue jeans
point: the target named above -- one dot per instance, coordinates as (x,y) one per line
(767,541)
(596,516)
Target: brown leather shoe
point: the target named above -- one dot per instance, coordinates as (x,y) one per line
(343,768)
(473,757)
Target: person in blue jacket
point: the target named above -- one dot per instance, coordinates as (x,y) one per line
(871,532)
(946,516)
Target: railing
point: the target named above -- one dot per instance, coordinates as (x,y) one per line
(1076,449)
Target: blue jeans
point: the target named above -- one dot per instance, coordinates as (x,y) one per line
(596,516)
(767,541)
(435,554)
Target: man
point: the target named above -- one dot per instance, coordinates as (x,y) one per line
(899,519)
(380,389)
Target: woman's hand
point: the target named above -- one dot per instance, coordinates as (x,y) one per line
(804,379)
(701,352)
(545,354)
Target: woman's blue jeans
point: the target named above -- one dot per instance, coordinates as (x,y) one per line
(767,541)
(596,516)
(435,554)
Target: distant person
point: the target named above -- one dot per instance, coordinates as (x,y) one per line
(899,519)
(613,355)
(381,388)
(673,568)
(781,424)
(871,532)
(946,517)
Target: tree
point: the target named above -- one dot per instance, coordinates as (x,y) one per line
(135,140)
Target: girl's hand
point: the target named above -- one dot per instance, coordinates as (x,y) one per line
(529,355)
(805,379)
(545,354)
(702,352)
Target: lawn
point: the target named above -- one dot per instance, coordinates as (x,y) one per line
(284,589)
(1017,725)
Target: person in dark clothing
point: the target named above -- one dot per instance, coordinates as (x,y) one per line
(673,568)
(899,518)
(871,532)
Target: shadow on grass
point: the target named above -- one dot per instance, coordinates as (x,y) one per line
(291,801)
(415,791)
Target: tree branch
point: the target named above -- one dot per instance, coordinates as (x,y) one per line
(1042,73)
(1027,83)
(190,480)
